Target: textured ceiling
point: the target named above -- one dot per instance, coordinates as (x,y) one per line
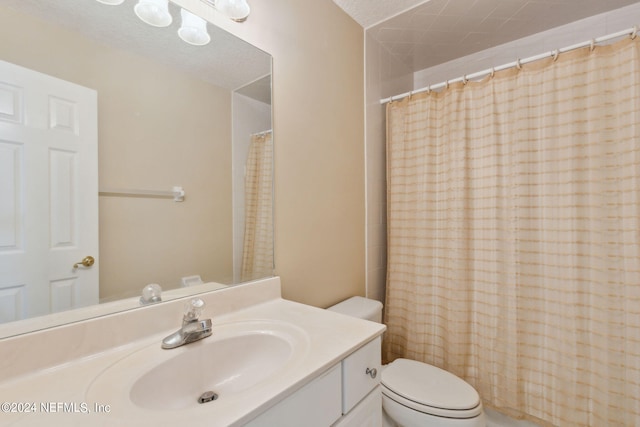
(437,31)
(371,12)
(227,61)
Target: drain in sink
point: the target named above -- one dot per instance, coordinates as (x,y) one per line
(207,396)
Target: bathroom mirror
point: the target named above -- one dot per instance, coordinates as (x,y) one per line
(169,117)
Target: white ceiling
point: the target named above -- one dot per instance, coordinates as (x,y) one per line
(422,33)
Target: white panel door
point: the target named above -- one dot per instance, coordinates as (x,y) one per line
(48,194)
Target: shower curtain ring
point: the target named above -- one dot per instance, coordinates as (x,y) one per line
(493,71)
(592,45)
(446,84)
(465,80)
(556,54)
(518,64)
(635,32)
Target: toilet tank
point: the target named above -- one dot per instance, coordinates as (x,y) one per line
(363,308)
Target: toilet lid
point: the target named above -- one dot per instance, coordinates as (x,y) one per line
(429,385)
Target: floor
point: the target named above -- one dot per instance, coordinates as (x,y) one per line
(496,419)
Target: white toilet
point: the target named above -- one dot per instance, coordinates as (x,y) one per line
(415,394)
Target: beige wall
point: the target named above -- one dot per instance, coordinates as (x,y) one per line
(318,96)
(157,128)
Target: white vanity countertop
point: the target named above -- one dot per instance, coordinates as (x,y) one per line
(63,388)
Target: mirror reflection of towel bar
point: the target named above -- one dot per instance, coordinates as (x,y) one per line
(177,193)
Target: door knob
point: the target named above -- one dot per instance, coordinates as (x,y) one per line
(87,261)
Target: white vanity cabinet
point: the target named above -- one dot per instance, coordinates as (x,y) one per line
(348,395)
(315,405)
(367,413)
(322,383)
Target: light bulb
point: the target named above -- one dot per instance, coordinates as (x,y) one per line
(151,293)
(238,10)
(154,12)
(193,29)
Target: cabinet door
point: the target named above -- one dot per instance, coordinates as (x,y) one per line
(366,413)
(361,373)
(318,404)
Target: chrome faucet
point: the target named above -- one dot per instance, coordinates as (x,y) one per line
(193,329)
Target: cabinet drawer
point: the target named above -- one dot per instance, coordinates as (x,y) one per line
(360,374)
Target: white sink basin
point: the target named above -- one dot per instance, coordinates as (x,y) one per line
(238,358)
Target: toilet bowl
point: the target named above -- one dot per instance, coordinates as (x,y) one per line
(415,394)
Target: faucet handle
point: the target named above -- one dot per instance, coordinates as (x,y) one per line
(193,309)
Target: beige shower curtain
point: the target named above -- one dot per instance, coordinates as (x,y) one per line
(257,257)
(514,236)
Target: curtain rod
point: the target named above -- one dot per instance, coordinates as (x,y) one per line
(518,63)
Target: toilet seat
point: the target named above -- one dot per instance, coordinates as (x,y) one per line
(429,390)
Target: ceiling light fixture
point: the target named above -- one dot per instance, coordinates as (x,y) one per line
(154,12)
(193,29)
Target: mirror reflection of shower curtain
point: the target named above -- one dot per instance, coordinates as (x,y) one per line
(257,257)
